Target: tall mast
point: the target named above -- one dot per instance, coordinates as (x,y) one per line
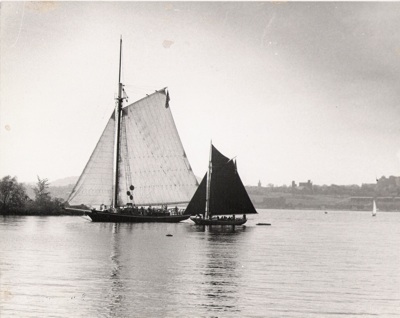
(118,109)
(208,190)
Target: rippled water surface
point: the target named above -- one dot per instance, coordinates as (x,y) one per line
(307,264)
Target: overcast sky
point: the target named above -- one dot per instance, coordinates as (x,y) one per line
(295,91)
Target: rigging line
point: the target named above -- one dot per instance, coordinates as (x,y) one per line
(105,112)
(141,86)
(142,90)
(20,25)
(103,109)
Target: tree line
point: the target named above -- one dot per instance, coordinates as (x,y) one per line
(14,199)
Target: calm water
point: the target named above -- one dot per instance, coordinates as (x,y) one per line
(307,264)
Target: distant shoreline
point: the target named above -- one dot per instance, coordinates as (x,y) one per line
(72,213)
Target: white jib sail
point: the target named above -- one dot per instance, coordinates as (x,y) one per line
(94,186)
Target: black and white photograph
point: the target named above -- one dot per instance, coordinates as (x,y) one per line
(200,159)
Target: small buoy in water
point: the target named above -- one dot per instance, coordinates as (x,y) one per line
(169,235)
(263,224)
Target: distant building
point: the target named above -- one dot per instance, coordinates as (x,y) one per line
(294,185)
(371,186)
(305,185)
(392,180)
(259,183)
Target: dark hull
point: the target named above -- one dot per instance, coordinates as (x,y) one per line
(199,221)
(125,218)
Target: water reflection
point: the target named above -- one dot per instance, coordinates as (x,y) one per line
(222,273)
(296,268)
(114,287)
(217,229)
(143,270)
(117,286)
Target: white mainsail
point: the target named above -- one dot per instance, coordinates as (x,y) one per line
(151,158)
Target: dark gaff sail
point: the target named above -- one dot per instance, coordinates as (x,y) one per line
(227,193)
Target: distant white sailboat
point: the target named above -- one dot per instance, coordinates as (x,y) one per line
(374,208)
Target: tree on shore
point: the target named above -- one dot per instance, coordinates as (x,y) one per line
(42,194)
(44,203)
(12,194)
(15,201)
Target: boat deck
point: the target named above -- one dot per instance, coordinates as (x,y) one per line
(105,216)
(230,221)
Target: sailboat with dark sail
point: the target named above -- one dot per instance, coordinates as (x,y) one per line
(138,167)
(221,194)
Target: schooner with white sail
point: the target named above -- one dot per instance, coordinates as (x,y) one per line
(139,167)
